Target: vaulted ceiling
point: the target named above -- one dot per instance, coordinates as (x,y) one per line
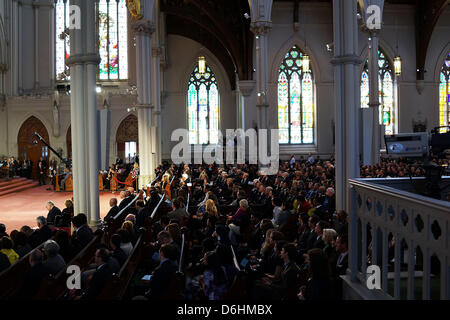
(220,26)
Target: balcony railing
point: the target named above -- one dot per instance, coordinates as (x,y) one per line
(405,234)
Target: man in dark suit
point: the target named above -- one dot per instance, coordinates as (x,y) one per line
(178,213)
(83,234)
(342,249)
(319,243)
(142,213)
(41,167)
(127,198)
(117,252)
(163,274)
(53,212)
(43,233)
(33,278)
(312,221)
(114,209)
(100,277)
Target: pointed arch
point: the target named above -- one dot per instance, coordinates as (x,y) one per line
(27,148)
(387,89)
(444,93)
(127,138)
(296,106)
(203,100)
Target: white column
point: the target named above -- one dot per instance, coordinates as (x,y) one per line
(156,125)
(144,29)
(346,85)
(36,44)
(346,82)
(374,97)
(246,88)
(83,64)
(260,29)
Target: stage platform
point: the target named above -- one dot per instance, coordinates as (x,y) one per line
(18,209)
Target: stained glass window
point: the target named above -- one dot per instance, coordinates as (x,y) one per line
(386,92)
(295,101)
(112,39)
(203,107)
(444,94)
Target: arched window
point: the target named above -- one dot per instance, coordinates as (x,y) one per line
(444,94)
(203,107)
(295,100)
(112,39)
(386,88)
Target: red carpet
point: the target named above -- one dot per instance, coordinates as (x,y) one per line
(22,208)
(16,185)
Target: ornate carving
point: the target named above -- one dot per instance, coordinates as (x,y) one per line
(90,58)
(260,28)
(143,27)
(128,129)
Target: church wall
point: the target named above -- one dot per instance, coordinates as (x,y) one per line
(314,32)
(183,56)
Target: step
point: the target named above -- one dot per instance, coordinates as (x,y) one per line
(7,182)
(19,189)
(15,185)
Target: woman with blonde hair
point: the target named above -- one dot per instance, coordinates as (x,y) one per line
(129,226)
(210,208)
(329,237)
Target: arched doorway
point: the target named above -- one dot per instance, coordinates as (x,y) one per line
(127,139)
(69,142)
(27,150)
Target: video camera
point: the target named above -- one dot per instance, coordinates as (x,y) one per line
(414,146)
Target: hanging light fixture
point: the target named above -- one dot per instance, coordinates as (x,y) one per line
(201,65)
(398,65)
(305,63)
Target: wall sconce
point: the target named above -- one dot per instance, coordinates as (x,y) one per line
(201,65)
(398,65)
(305,63)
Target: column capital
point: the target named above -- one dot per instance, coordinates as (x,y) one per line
(260,28)
(347,59)
(143,27)
(90,58)
(246,87)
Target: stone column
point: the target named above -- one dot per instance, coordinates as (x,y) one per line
(36,44)
(246,88)
(83,63)
(374,97)
(156,125)
(260,29)
(144,30)
(346,83)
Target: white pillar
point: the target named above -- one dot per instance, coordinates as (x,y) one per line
(156,125)
(144,29)
(83,63)
(36,44)
(346,82)
(260,29)
(246,88)
(374,97)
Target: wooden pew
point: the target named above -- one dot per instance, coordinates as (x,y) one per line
(175,289)
(11,278)
(54,286)
(117,285)
(238,288)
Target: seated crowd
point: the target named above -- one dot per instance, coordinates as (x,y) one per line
(282,231)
